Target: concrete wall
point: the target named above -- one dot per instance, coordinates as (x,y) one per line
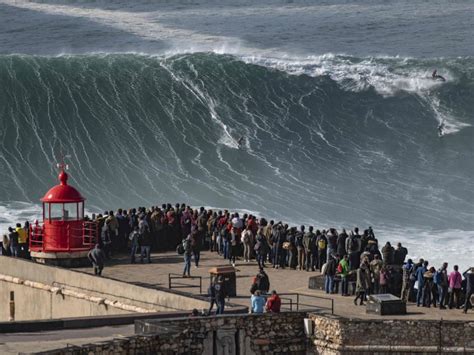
(34,303)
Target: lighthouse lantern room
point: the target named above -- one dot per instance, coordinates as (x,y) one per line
(65,237)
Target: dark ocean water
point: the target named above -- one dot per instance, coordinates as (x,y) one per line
(335,101)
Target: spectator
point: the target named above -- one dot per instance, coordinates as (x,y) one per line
(273,303)
(96,256)
(454,290)
(257,302)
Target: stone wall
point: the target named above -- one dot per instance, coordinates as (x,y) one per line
(338,335)
(248,334)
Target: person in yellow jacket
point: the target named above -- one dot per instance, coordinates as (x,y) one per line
(22,241)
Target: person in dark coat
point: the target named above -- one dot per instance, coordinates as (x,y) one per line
(341,243)
(97,256)
(388,254)
(469,275)
(400,254)
(363,283)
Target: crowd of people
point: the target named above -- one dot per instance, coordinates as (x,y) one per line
(351,262)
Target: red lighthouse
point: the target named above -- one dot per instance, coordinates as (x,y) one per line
(65,237)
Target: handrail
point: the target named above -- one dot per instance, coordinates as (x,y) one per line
(299,304)
(174,276)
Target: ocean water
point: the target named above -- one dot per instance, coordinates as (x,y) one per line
(334,99)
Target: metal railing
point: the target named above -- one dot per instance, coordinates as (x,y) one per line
(172,276)
(87,232)
(298,301)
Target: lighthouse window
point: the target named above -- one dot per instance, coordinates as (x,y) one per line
(64,211)
(69,211)
(55,211)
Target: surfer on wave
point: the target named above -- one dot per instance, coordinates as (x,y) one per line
(240,141)
(441,129)
(436,76)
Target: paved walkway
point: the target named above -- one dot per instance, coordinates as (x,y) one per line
(284,281)
(43,341)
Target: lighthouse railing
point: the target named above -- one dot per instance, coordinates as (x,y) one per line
(90,233)
(36,237)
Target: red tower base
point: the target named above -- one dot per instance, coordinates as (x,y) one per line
(63,258)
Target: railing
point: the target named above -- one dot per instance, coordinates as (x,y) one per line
(36,237)
(173,276)
(298,301)
(90,233)
(86,232)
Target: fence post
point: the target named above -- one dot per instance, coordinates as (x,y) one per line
(12,306)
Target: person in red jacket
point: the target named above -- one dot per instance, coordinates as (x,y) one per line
(273,303)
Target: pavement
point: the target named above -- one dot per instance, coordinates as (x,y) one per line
(16,343)
(283,281)
(155,275)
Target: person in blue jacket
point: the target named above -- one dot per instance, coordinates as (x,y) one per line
(421,282)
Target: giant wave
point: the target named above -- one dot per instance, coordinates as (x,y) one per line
(329,140)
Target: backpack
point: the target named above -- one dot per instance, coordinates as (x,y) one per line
(321,244)
(180,249)
(353,244)
(339,268)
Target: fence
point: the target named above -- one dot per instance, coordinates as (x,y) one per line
(173,276)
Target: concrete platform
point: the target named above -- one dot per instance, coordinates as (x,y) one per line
(284,281)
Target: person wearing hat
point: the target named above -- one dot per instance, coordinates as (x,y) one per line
(469,275)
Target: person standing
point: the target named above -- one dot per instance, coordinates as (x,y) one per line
(187,256)
(96,256)
(134,244)
(13,238)
(469,275)
(343,270)
(247,241)
(363,283)
(22,241)
(300,248)
(455,280)
(375,267)
(322,243)
(308,240)
(420,272)
(406,282)
(329,272)
(220,294)
(443,285)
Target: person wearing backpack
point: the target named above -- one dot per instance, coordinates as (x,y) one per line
(441,281)
(353,249)
(329,272)
(322,243)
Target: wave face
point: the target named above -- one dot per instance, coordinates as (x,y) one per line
(329,140)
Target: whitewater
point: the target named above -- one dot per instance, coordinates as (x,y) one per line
(335,101)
